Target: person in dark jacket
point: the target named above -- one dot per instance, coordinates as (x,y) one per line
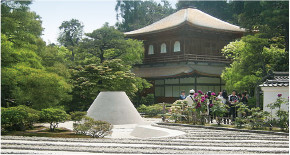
(233,99)
(209,104)
(244,98)
(225,101)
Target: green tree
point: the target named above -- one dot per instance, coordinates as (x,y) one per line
(70,35)
(56,59)
(21,26)
(107,43)
(111,75)
(53,116)
(132,15)
(27,76)
(33,87)
(253,57)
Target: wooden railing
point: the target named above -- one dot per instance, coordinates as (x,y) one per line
(187,58)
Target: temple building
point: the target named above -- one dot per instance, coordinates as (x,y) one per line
(183,52)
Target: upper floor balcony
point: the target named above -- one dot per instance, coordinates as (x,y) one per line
(185,58)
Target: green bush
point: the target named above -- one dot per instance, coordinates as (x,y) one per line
(96,129)
(18,118)
(242,109)
(148,100)
(151,110)
(257,118)
(283,121)
(53,116)
(218,110)
(283,116)
(77,116)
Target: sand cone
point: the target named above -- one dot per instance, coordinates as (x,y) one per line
(114,107)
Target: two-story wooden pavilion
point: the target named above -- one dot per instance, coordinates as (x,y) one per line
(183,52)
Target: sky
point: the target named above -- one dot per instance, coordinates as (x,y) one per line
(92,13)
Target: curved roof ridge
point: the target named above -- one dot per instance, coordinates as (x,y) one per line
(186,15)
(214,20)
(189,15)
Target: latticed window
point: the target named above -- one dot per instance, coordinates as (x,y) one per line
(150,49)
(163,48)
(176,46)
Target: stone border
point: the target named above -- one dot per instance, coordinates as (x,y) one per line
(228,129)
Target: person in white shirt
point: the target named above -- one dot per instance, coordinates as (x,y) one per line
(220,97)
(190,98)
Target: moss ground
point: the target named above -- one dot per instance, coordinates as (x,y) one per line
(41,131)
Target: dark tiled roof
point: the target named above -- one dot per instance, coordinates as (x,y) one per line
(278,79)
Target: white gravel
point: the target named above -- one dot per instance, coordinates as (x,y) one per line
(195,141)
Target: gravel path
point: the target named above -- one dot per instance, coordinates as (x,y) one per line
(195,141)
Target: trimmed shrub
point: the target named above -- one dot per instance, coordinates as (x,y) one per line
(96,129)
(152,110)
(18,118)
(77,116)
(53,116)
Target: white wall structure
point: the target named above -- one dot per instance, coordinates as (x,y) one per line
(271,95)
(114,107)
(277,83)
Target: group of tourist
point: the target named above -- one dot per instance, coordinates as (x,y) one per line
(231,100)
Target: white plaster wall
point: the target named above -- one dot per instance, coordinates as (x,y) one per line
(271,95)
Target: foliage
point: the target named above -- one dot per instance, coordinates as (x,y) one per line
(111,75)
(56,60)
(242,109)
(25,80)
(179,110)
(148,99)
(257,117)
(200,107)
(132,15)
(18,118)
(53,116)
(21,26)
(77,116)
(151,110)
(107,43)
(218,109)
(34,87)
(283,119)
(253,57)
(96,129)
(283,116)
(198,111)
(70,34)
